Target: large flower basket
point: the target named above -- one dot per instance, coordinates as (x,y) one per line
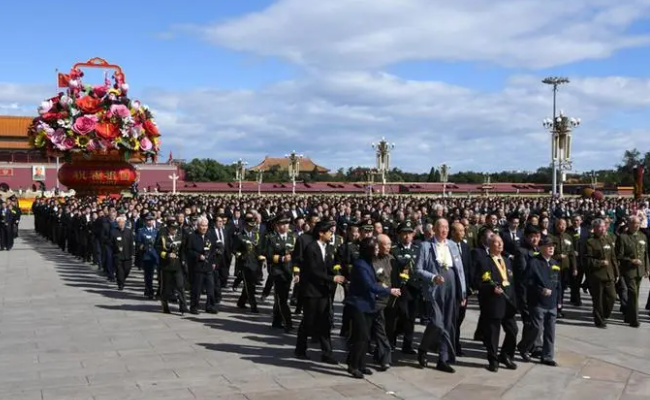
(97,129)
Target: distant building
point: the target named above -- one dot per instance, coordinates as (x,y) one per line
(282,163)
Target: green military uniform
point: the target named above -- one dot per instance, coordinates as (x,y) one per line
(565,255)
(279,247)
(471,235)
(602,271)
(632,246)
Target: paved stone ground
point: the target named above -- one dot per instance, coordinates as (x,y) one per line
(67,334)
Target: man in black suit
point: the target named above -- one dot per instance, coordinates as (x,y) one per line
(316,277)
(511,236)
(579,232)
(201,263)
(123,248)
(498,305)
(458,240)
(478,253)
(223,242)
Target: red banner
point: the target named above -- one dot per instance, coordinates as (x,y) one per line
(4,172)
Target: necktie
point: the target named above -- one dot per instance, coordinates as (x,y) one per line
(514,236)
(460,249)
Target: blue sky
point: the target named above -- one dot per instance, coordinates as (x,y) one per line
(447,82)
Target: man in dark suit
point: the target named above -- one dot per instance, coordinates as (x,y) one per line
(511,236)
(316,277)
(579,233)
(123,249)
(498,305)
(223,242)
(479,252)
(201,263)
(458,239)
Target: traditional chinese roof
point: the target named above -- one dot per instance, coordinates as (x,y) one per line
(11,126)
(306,165)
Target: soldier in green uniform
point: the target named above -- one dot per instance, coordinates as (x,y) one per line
(565,255)
(279,246)
(400,313)
(632,254)
(168,245)
(602,272)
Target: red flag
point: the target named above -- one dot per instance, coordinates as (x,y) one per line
(169,161)
(63,80)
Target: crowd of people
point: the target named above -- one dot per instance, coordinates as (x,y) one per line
(396,259)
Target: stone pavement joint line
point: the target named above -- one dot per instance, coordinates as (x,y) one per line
(65,333)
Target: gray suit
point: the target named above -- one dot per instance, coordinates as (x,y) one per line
(441,301)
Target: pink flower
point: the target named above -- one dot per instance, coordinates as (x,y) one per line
(58,137)
(145,144)
(84,124)
(100,90)
(120,110)
(68,143)
(92,145)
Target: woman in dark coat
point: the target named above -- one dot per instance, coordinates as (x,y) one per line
(363,291)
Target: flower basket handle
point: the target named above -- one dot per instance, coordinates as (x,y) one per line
(97,62)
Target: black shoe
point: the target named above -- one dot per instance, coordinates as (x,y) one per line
(635,324)
(301,356)
(525,357)
(560,314)
(550,363)
(383,367)
(242,306)
(194,311)
(536,354)
(120,288)
(166,310)
(460,353)
(366,371)
(601,326)
(445,367)
(493,367)
(409,351)
(329,360)
(255,310)
(507,362)
(212,311)
(422,359)
(355,373)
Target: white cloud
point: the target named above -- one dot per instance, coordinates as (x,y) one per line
(334,117)
(352,34)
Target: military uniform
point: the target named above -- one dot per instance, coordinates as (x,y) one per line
(400,318)
(250,258)
(148,256)
(279,247)
(169,248)
(602,272)
(565,255)
(629,247)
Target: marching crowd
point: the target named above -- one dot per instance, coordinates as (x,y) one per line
(397,259)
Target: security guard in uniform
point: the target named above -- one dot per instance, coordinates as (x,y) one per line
(279,246)
(168,246)
(401,312)
(632,254)
(250,259)
(602,272)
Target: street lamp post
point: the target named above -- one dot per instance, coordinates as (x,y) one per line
(294,169)
(260,174)
(174,177)
(487,181)
(594,179)
(240,172)
(444,176)
(555,82)
(561,128)
(370,179)
(383,149)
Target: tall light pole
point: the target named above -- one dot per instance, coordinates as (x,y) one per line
(294,169)
(370,179)
(174,177)
(594,179)
(444,176)
(383,149)
(487,181)
(561,127)
(260,174)
(554,81)
(240,172)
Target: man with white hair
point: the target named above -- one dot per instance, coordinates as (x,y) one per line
(200,253)
(440,267)
(122,243)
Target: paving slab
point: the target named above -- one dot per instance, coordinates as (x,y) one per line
(67,333)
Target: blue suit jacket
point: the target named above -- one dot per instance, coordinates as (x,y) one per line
(364,288)
(427,268)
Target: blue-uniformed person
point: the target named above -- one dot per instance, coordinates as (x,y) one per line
(145,240)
